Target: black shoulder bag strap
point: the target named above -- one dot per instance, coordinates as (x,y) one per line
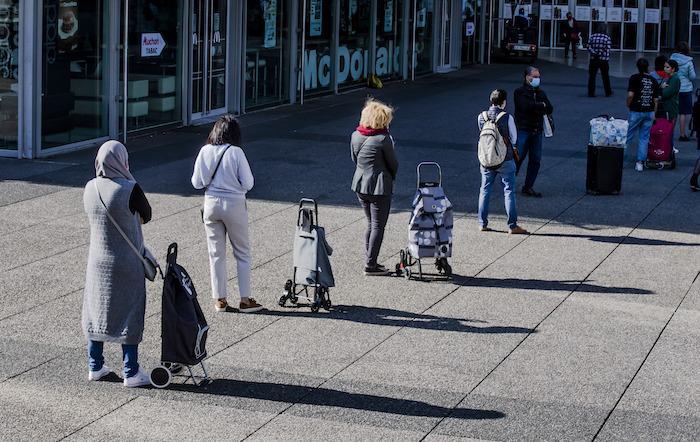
(218,164)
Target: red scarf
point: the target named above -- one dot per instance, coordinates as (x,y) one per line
(662,74)
(369,132)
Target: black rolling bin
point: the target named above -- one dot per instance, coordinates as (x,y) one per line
(604,170)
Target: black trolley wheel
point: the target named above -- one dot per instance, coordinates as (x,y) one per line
(160,376)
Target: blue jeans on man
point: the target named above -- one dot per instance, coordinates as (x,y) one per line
(642,122)
(529,143)
(488,177)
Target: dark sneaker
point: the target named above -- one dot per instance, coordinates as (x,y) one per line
(683,138)
(379,270)
(530,192)
(250,307)
(695,187)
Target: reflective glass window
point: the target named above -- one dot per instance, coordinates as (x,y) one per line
(9,73)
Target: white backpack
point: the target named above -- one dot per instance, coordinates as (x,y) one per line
(492,148)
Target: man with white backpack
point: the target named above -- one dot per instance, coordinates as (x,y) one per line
(497,156)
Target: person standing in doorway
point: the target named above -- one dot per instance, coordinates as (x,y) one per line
(642,100)
(570,34)
(599,47)
(686,73)
(507,129)
(531,106)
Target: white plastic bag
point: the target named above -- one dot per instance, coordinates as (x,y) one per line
(610,132)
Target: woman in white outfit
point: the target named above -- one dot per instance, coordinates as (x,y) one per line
(222,168)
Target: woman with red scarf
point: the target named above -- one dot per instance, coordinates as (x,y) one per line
(372,151)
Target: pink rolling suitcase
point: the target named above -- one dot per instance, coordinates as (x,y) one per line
(660,152)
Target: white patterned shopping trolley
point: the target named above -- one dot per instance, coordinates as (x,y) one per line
(430,229)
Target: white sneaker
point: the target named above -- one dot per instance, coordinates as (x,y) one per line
(99,374)
(638,167)
(675,150)
(139,380)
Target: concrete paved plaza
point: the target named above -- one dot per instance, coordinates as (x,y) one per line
(585,330)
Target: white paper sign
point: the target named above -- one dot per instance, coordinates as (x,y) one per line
(559,12)
(614,14)
(507,11)
(695,18)
(652,16)
(545,12)
(598,14)
(631,15)
(469,29)
(152,44)
(270,16)
(666,13)
(388,15)
(583,13)
(316,23)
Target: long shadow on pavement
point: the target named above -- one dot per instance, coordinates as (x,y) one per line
(399,318)
(543,284)
(303,395)
(622,239)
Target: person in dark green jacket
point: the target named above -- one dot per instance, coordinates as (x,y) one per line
(670,88)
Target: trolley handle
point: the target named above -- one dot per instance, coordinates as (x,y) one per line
(305,202)
(429,163)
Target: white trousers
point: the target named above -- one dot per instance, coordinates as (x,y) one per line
(227,216)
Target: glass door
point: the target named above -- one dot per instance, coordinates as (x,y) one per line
(630,19)
(209,51)
(421,25)
(469,34)
(445,14)
(652,25)
(389,32)
(316,48)
(150,73)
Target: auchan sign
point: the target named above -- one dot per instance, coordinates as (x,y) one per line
(152,44)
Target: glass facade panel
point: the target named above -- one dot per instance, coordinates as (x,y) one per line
(154,64)
(267,52)
(317,53)
(354,42)
(74,71)
(389,32)
(422,19)
(9,73)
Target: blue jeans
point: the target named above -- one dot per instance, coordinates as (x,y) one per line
(529,143)
(642,122)
(507,173)
(129,352)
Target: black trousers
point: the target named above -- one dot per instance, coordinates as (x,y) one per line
(377,213)
(593,67)
(567,42)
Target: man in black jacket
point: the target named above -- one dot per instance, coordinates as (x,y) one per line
(531,105)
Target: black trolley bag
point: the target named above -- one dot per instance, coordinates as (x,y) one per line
(184,328)
(604,166)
